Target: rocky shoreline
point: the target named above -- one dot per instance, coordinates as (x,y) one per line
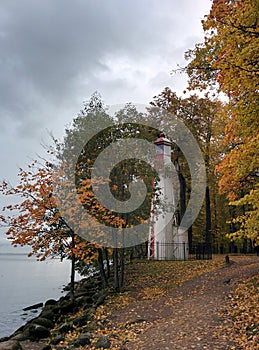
(57,318)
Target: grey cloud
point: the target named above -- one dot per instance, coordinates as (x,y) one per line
(161,79)
(47,44)
(52,53)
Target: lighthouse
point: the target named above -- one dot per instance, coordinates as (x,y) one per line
(166,240)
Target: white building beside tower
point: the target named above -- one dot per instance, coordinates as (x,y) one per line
(166,240)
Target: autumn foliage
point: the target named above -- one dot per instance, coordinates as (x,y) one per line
(228,60)
(35,220)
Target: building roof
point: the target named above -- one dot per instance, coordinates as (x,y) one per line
(162,140)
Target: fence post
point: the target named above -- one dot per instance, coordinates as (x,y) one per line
(157,250)
(184,251)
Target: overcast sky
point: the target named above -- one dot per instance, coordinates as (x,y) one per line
(55,53)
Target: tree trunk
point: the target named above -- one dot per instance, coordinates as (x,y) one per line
(116,269)
(73,267)
(101,267)
(106,253)
(122,267)
(208,216)
(183,202)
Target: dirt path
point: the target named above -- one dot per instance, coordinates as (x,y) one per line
(194,315)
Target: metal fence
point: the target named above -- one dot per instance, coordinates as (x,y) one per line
(181,251)
(201,251)
(173,251)
(170,251)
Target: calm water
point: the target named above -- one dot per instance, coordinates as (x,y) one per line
(25,281)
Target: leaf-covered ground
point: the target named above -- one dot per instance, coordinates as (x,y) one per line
(124,316)
(243,309)
(181,306)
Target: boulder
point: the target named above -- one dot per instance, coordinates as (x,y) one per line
(40,332)
(65,327)
(66,306)
(81,320)
(57,340)
(51,302)
(83,339)
(84,300)
(19,336)
(36,332)
(63,298)
(81,293)
(10,345)
(48,314)
(103,342)
(42,321)
(100,300)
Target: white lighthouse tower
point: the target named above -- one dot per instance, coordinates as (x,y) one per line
(166,240)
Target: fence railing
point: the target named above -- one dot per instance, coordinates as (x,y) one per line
(172,251)
(201,251)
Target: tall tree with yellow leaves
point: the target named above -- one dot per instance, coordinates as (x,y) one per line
(228,60)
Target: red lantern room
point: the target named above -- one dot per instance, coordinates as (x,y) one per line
(163,151)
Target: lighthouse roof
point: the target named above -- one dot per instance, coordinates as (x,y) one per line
(162,140)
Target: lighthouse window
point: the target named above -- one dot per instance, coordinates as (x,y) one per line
(159,149)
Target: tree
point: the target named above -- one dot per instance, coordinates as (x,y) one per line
(90,134)
(35,220)
(228,58)
(249,221)
(42,217)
